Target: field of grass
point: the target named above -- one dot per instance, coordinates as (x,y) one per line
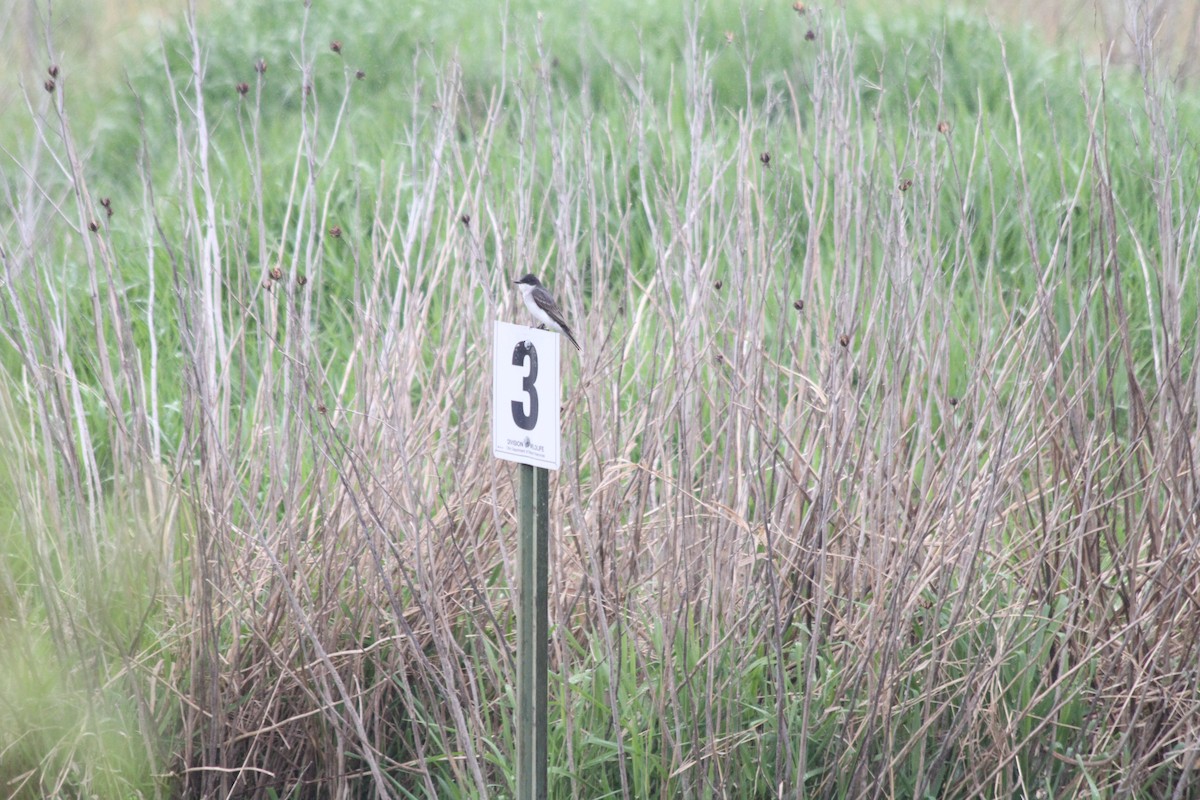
(879,459)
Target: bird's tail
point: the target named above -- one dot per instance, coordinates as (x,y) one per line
(571,336)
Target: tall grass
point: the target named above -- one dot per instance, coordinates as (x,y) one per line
(879,453)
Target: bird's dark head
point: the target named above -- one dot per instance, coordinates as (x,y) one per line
(529,279)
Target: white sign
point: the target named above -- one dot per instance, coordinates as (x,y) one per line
(525,395)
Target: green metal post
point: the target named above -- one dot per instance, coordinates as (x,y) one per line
(532,631)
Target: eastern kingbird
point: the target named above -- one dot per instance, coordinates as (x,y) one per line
(542,306)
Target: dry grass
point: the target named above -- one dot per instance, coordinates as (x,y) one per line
(879,477)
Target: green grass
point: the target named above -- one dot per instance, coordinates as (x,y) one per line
(926,535)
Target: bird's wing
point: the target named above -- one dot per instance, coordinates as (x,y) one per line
(546,303)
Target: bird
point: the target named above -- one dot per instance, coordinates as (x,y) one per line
(542,306)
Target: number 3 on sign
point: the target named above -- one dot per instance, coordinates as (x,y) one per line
(525,395)
(523,353)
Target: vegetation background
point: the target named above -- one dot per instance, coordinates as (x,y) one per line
(880,454)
